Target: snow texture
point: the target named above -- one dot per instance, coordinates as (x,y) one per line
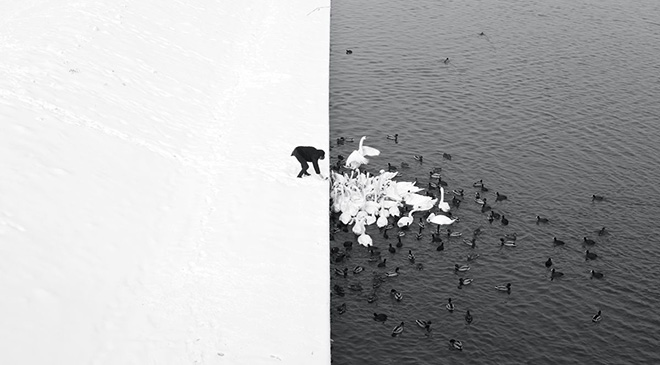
(149,209)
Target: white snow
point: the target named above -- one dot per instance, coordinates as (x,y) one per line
(149,210)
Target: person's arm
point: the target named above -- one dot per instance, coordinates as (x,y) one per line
(315,162)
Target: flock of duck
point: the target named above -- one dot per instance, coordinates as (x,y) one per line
(359,199)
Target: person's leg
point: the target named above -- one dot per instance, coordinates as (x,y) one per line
(303,164)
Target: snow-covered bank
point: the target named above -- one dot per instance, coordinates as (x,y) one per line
(149,211)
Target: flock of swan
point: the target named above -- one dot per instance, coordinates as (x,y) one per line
(360,199)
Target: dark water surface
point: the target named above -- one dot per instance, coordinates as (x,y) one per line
(556,102)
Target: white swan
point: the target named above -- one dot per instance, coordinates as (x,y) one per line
(442,204)
(425,205)
(357,158)
(406,221)
(359,228)
(382,221)
(365,240)
(441,220)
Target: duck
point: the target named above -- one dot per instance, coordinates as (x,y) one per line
(435,237)
(355,287)
(380,317)
(450,233)
(478,200)
(450,306)
(485,207)
(602,232)
(397,330)
(419,266)
(342,308)
(507,243)
(478,184)
(446,61)
(446,156)
(399,244)
(424,324)
(434,175)
(466,281)
(433,185)
(382,263)
(441,247)
(385,235)
(590,256)
(419,158)
(555,274)
(472,257)
(500,197)
(391,249)
(348,51)
(596,274)
(589,241)
(358,269)
(548,263)
(411,257)
(396,294)
(456,344)
(338,290)
(442,182)
(393,137)
(340,272)
(405,165)
(419,235)
(390,167)
(540,219)
(557,242)
(421,223)
(597,198)
(372,298)
(597,317)
(458,192)
(468,317)
(393,273)
(506,287)
(505,222)
(461,268)
(472,243)
(494,214)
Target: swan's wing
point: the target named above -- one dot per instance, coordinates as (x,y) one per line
(355,159)
(370,151)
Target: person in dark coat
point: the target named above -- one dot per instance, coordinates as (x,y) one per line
(306,154)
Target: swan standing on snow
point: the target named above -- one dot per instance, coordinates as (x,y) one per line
(358,157)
